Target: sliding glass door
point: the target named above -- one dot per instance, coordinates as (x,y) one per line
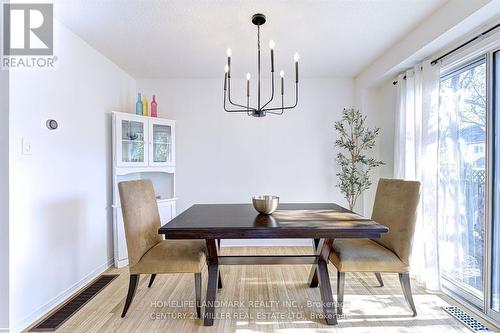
(462,179)
(469,182)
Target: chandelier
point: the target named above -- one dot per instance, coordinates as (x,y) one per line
(262,109)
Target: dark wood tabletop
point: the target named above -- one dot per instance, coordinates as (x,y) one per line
(322,222)
(292,220)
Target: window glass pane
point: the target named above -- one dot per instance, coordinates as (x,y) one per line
(462,175)
(495,276)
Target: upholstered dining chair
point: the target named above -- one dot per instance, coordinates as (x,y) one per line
(395,206)
(148,252)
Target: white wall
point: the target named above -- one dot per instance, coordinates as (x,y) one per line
(379,105)
(4,200)
(223,157)
(61,231)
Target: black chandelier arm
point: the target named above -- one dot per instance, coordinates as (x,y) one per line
(287,107)
(282,106)
(272,91)
(225,92)
(229,97)
(249,112)
(229,110)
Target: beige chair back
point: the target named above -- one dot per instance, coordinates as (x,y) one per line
(395,207)
(140,217)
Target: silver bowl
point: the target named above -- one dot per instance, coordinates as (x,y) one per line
(265,204)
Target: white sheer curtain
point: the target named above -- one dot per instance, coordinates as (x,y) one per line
(452,201)
(416,151)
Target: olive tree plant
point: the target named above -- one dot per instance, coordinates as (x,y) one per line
(355,140)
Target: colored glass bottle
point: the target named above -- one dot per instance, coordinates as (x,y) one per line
(138,105)
(145,106)
(154,107)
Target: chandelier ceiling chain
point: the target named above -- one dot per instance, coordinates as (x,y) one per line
(260,111)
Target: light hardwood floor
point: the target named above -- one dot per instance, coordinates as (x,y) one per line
(264,299)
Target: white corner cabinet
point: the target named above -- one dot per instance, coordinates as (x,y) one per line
(143,148)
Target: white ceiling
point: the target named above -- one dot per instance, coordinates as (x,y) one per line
(188,38)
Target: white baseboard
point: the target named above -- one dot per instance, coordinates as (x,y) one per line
(121,263)
(59,299)
(266,242)
(4,330)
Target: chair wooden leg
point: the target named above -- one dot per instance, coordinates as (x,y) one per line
(197,288)
(379,279)
(151,280)
(213,271)
(404,279)
(340,292)
(132,287)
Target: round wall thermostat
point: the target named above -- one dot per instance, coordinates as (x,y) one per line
(52,124)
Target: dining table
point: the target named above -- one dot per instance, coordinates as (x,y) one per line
(320,222)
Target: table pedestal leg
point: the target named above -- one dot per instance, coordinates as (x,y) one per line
(213,279)
(326,294)
(323,249)
(312,281)
(220,275)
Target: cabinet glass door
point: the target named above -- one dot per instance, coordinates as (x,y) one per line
(162,143)
(132,142)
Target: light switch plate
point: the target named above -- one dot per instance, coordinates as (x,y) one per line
(27,149)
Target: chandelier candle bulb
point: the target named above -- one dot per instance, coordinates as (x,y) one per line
(225,81)
(271,46)
(296,58)
(272,60)
(248,84)
(229,53)
(282,74)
